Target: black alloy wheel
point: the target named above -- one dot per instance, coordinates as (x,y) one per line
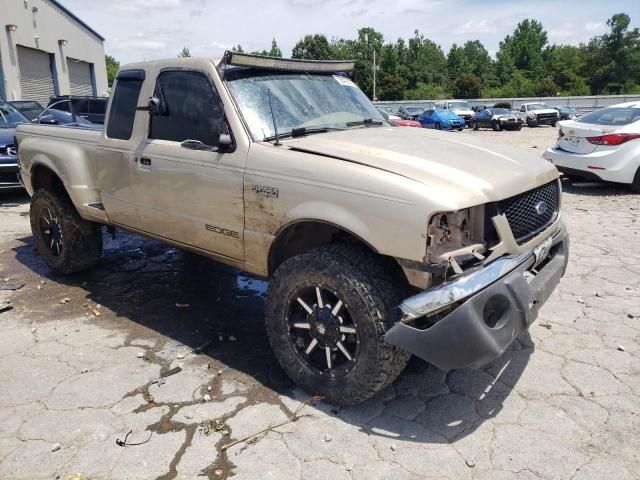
(322,330)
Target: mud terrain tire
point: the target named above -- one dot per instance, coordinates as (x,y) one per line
(66,242)
(364,283)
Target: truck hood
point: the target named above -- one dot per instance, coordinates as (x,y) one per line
(545,111)
(458,170)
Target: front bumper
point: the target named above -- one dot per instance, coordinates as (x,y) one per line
(9,174)
(542,121)
(495,304)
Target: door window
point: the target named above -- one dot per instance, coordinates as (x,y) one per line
(191,108)
(124,103)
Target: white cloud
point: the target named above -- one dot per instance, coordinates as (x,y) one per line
(139,44)
(595,27)
(207,27)
(473,27)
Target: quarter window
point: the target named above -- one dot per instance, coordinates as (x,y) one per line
(191,108)
(124,103)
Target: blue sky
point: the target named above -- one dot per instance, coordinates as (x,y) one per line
(149,29)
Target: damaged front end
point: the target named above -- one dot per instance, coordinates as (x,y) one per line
(491,283)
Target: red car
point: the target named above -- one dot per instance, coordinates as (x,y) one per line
(406,123)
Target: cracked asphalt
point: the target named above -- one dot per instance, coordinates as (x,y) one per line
(80,357)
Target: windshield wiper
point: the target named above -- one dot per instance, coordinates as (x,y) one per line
(301,132)
(364,121)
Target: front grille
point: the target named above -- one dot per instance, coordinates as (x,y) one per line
(8,177)
(8,150)
(531,212)
(546,116)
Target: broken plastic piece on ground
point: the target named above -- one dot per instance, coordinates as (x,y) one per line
(11,286)
(5,307)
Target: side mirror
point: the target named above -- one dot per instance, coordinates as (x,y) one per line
(225,141)
(48,120)
(156,107)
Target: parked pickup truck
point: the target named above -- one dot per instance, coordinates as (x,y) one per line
(536,114)
(379,241)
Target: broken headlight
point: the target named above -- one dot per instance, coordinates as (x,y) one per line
(455,238)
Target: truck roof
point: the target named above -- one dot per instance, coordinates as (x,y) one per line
(237,59)
(172,62)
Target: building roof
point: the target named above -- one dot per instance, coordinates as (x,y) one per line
(68,12)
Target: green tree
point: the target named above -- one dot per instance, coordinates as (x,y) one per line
(361,50)
(547,88)
(392,87)
(313,47)
(184,53)
(457,63)
(478,58)
(275,50)
(467,85)
(525,47)
(426,61)
(562,64)
(612,60)
(237,48)
(112,68)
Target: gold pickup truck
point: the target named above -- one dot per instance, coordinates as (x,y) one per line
(379,241)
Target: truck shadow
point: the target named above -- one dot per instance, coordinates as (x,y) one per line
(598,189)
(157,291)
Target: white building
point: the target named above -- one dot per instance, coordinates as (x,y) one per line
(46,50)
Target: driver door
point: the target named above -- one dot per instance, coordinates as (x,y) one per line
(192,196)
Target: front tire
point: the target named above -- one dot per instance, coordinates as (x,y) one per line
(474,125)
(66,242)
(496,126)
(326,314)
(438,127)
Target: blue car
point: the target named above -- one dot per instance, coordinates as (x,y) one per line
(441,119)
(10,118)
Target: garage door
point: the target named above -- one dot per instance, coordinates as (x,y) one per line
(36,78)
(80,81)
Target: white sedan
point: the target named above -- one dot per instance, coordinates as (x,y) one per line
(602,145)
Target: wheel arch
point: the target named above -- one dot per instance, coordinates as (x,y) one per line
(303,235)
(43,176)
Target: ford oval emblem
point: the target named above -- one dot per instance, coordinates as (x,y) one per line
(541,207)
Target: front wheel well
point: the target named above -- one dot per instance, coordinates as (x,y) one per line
(303,236)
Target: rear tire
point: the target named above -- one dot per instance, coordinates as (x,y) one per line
(635,186)
(302,334)
(474,125)
(66,242)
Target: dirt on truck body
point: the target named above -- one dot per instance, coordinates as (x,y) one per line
(379,242)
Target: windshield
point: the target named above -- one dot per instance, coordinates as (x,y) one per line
(10,117)
(414,110)
(538,106)
(501,111)
(459,105)
(298,100)
(612,116)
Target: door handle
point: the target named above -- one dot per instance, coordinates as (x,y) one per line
(145,161)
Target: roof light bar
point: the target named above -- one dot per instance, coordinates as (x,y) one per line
(286,64)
